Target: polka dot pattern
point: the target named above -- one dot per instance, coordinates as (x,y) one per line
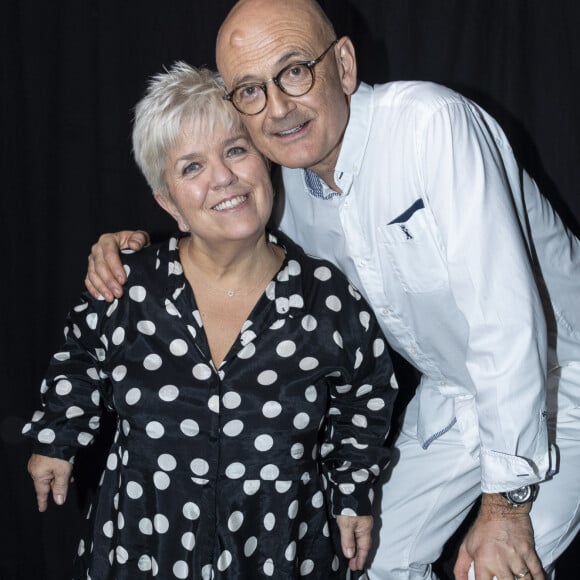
(307,378)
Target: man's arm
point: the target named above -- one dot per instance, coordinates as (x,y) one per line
(106,275)
(500,542)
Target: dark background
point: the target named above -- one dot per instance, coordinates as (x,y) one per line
(71,72)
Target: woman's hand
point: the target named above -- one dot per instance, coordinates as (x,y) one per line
(49,474)
(355,539)
(106,276)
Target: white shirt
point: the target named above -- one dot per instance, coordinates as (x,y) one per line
(432,225)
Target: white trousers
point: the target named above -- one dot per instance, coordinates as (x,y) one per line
(428,493)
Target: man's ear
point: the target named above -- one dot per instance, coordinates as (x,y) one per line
(347,65)
(167,204)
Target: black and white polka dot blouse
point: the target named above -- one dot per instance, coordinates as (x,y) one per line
(230,473)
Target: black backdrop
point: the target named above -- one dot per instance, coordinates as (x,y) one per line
(71,72)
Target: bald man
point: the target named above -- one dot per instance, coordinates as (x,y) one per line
(414,192)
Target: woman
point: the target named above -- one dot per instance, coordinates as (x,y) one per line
(250,382)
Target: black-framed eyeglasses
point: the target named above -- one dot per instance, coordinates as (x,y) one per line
(294,80)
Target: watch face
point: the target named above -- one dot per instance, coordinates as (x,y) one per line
(521,495)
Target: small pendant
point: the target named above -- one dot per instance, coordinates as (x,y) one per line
(231,293)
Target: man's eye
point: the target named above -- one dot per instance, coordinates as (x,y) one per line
(249,93)
(296,72)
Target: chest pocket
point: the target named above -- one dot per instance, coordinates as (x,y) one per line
(415,250)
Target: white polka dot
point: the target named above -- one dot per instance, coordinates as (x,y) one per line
(375,404)
(224,560)
(269,567)
(296,301)
(263,442)
(235,470)
(63,387)
(118,336)
(359,421)
(337,338)
(112,462)
(290,552)
(231,400)
(188,541)
(309,323)
(137,293)
(278,324)
(178,347)
(154,429)
(360,475)
(306,567)
(267,377)
(152,362)
(346,488)
(120,521)
(134,490)
(318,499)
(191,511)
(146,526)
(269,472)
(167,462)
(297,451)
(189,427)
(282,486)
(144,563)
(92,320)
(133,396)
(161,480)
(46,436)
(294,268)
(293,509)
(160,523)
(311,394)
(322,273)
(286,348)
(119,373)
(121,554)
(247,352)
(342,389)
(308,363)
(250,546)
(180,569)
(73,412)
(302,530)
(378,347)
(108,529)
(251,486)
(199,466)
(146,327)
(214,404)
(233,428)
(201,372)
(271,409)
(301,421)
(333,303)
(235,521)
(365,319)
(364,390)
(168,393)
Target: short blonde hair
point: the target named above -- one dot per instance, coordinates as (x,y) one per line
(179,95)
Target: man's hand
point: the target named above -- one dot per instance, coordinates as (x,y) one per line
(355,539)
(106,276)
(49,475)
(500,543)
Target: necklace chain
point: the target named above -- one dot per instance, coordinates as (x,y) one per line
(230,292)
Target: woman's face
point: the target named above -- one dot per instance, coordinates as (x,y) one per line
(219,185)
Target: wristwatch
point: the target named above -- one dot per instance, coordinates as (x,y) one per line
(522,495)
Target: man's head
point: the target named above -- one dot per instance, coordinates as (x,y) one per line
(257,40)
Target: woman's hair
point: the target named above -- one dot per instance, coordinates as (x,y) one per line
(183,94)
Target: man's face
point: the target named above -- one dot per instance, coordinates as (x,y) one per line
(303,131)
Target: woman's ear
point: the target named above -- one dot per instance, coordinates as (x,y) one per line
(347,65)
(167,204)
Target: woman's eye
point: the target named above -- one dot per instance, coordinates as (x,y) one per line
(190,168)
(238,150)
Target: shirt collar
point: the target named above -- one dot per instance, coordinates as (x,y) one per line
(352,150)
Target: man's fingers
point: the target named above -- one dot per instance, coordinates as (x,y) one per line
(462,564)
(355,539)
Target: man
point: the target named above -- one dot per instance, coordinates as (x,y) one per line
(414,192)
